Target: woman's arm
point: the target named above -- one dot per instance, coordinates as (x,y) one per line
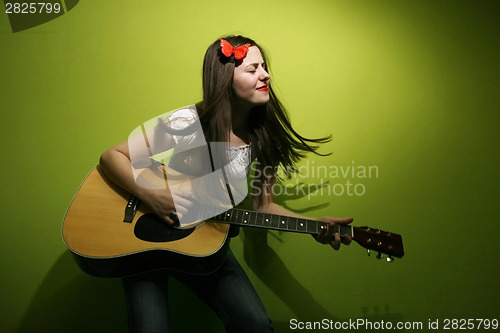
(116,164)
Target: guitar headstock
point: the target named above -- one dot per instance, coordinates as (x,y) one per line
(383,242)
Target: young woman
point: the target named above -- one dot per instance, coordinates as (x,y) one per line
(239,107)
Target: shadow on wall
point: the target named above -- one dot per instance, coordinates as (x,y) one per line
(69,300)
(272,271)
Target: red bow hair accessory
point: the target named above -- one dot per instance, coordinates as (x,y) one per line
(239,52)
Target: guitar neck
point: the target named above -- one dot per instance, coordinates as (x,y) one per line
(250,218)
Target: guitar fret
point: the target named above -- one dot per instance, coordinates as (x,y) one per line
(240,217)
(259,219)
(245,217)
(344,229)
(235,216)
(320,226)
(275,220)
(284,223)
(311,227)
(224,217)
(266,222)
(301,226)
(254,218)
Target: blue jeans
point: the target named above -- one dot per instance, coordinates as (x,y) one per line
(228,291)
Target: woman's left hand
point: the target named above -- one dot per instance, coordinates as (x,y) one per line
(328,236)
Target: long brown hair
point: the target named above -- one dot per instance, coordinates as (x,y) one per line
(274,140)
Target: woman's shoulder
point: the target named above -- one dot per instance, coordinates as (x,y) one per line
(182,117)
(184,112)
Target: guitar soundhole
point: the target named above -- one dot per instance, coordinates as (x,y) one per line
(151,228)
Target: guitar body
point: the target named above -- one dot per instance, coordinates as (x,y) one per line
(106,246)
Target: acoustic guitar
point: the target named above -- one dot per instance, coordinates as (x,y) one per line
(111,235)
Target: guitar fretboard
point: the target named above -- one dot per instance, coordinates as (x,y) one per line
(277,222)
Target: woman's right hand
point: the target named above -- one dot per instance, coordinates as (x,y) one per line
(165,201)
(115,162)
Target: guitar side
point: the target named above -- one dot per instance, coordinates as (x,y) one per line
(105,246)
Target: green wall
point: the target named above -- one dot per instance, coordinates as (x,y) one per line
(409,87)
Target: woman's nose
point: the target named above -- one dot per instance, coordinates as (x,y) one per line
(264,75)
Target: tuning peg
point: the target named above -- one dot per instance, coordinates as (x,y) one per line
(379,256)
(390,259)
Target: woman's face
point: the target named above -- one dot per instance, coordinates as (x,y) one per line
(250,79)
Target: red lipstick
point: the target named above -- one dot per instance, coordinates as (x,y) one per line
(263,88)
